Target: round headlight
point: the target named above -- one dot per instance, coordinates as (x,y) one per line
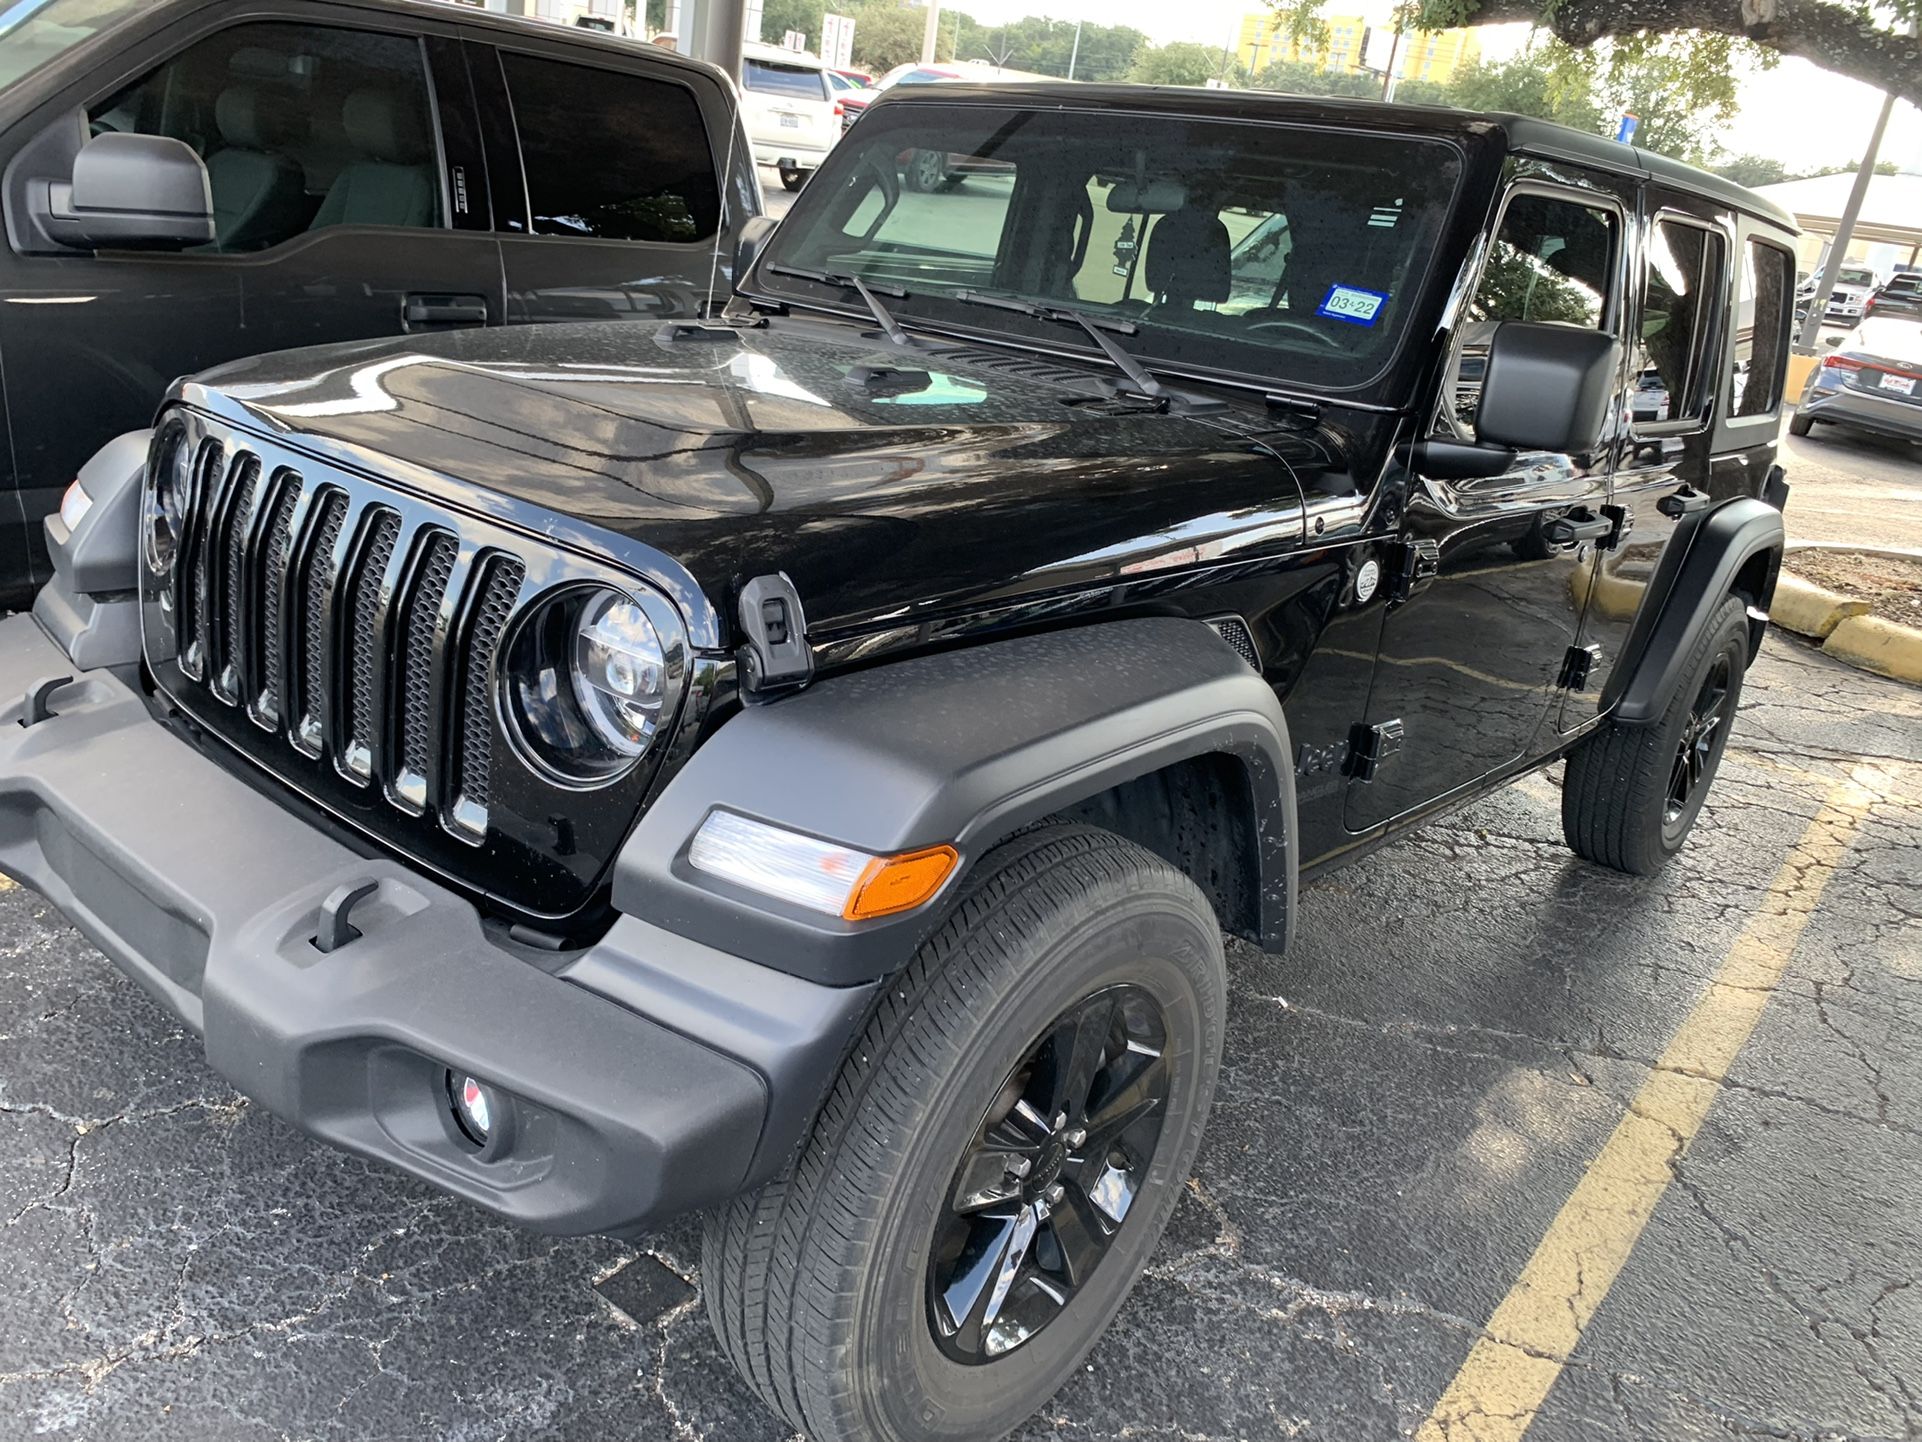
(165,507)
(588,682)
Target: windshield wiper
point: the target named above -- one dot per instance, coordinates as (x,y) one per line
(870,296)
(1146,384)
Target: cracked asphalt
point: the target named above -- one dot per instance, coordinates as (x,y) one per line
(1410,1098)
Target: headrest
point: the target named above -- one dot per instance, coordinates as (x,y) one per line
(1189,257)
(1157,197)
(378,127)
(248,124)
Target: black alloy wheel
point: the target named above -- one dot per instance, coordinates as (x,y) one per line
(1049,1179)
(1700,745)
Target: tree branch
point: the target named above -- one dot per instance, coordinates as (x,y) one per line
(1827,32)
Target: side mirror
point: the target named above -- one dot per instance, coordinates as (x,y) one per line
(133,192)
(756,231)
(1548,387)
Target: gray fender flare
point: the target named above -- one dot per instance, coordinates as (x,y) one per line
(1700,566)
(960,747)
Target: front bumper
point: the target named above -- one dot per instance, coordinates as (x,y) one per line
(647,1074)
(1871,412)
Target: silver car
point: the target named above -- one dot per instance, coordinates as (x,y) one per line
(1872,380)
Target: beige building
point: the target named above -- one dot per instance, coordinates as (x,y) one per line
(1422,55)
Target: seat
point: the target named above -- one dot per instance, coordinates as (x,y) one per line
(391,184)
(259,195)
(1189,260)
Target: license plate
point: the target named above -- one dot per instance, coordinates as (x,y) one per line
(790,122)
(1901,385)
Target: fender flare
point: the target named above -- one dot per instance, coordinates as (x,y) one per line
(1699,567)
(961,747)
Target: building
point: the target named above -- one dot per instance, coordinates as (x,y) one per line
(1434,55)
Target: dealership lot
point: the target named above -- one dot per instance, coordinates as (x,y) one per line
(1411,1098)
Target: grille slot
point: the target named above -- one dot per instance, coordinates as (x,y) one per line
(492,603)
(419,698)
(238,508)
(380,531)
(315,625)
(272,576)
(1234,631)
(195,627)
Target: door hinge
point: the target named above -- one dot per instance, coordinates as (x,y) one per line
(1411,565)
(776,656)
(1369,747)
(1578,665)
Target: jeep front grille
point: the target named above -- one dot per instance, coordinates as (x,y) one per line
(367,636)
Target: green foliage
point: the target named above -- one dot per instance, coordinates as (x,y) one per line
(1298,78)
(1752,170)
(1183,63)
(780,16)
(1044,46)
(885,34)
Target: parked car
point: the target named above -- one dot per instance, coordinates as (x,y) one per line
(1853,286)
(788,102)
(1871,381)
(802,767)
(851,95)
(542,170)
(1900,295)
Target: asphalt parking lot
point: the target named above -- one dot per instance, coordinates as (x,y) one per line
(1470,1149)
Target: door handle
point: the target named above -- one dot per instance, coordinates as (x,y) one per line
(1681,503)
(1577,526)
(444,310)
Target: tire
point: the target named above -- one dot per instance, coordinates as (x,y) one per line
(824,1287)
(792,179)
(1619,798)
(1801,425)
(926,170)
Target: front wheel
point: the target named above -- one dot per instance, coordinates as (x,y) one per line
(926,170)
(996,1160)
(1632,793)
(1800,425)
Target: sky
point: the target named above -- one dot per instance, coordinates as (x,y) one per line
(1796,112)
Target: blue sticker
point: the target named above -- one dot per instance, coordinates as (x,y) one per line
(1352,304)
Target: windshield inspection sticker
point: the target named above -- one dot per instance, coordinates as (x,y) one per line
(1352,304)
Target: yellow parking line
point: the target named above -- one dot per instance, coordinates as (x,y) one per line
(1528,1340)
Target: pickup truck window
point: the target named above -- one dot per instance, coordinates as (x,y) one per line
(1252,248)
(611,155)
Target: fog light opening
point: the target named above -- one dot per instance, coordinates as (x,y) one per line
(477,1109)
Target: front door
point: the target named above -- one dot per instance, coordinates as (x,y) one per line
(1471,658)
(331,214)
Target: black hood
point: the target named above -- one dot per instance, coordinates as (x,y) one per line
(892,485)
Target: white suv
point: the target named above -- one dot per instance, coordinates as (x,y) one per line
(788,107)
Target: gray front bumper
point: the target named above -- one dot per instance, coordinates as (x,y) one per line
(649,1074)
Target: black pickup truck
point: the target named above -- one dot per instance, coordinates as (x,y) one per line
(802,764)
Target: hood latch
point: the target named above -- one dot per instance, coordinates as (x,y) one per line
(776,656)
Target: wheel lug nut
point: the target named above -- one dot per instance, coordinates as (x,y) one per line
(1020,1167)
(1056,1193)
(1077,1136)
(1060,1120)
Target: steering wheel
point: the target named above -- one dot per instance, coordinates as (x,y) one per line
(1332,342)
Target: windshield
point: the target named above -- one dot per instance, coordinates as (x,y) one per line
(773,78)
(1235,246)
(32,32)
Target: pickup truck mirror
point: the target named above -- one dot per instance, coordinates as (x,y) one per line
(748,245)
(1548,387)
(133,192)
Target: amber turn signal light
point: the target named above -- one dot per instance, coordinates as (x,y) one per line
(890,884)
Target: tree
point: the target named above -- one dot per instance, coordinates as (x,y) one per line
(1299,78)
(1182,63)
(886,34)
(1871,42)
(780,16)
(1752,170)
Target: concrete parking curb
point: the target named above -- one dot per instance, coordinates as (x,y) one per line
(1811,610)
(1843,626)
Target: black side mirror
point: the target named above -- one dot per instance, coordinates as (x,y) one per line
(1548,387)
(133,192)
(756,231)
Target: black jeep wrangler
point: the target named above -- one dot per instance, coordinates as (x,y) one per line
(802,763)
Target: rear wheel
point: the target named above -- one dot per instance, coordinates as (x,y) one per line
(1632,793)
(996,1159)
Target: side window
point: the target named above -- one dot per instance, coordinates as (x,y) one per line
(1552,260)
(301,127)
(611,156)
(1681,300)
(1761,329)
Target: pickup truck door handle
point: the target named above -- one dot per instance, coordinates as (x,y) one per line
(1577,526)
(444,310)
(1680,503)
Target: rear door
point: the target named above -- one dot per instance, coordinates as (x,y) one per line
(330,184)
(617,211)
(1472,658)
